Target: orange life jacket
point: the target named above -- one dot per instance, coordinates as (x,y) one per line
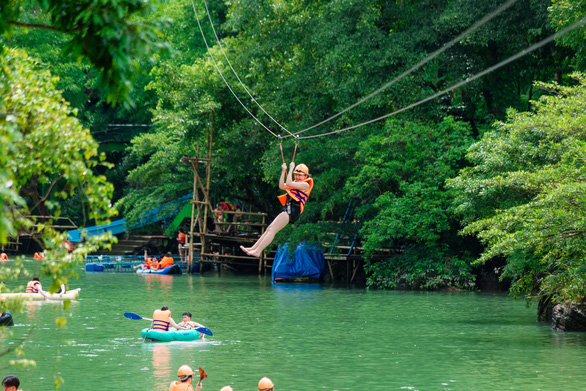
(4,256)
(31,287)
(39,256)
(297,194)
(67,245)
(165,262)
(181,238)
(161,320)
(154,264)
(178,386)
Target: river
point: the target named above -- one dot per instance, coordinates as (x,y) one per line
(304,337)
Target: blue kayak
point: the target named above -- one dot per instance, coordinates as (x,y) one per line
(173,269)
(171,335)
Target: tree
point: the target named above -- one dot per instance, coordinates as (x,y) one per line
(562,13)
(101,31)
(405,205)
(47,157)
(524,196)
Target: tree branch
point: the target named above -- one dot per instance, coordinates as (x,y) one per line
(48,193)
(40,26)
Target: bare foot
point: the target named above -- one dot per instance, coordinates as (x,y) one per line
(250,252)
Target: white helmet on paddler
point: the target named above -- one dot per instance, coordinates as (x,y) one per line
(184,372)
(265,384)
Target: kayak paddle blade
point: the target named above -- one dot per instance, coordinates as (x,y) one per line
(205,330)
(202,374)
(132,315)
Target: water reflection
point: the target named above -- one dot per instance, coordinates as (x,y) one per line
(161,365)
(162,284)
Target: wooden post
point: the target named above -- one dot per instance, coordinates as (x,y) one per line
(331,271)
(199,217)
(191,225)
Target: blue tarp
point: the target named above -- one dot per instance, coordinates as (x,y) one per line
(307,261)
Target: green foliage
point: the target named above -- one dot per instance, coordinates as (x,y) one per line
(524,196)
(563,13)
(405,203)
(403,173)
(422,268)
(102,31)
(47,158)
(304,61)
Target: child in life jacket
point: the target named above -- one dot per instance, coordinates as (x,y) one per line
(298,190)
(185,375)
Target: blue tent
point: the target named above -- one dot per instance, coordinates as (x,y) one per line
(307,261)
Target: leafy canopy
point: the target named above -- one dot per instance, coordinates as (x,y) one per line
(525,195)
(102,31)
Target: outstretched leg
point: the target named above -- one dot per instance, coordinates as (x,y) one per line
(267,237)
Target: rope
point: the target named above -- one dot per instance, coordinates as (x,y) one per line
(236,74)
(281,146)
(222,75)
(454,41)
(295,150)
(466,81)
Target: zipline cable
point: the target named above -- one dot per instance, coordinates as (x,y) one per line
(222,75)
(466,81)
(236,74)
(454,41)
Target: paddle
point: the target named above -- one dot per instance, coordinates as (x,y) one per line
(133,316)
(202,374)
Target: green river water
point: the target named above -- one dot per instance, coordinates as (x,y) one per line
(304,337)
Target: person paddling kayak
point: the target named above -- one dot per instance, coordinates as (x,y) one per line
(187,322)
(162,320)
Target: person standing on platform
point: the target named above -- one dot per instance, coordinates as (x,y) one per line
(226,207)
(181,238)
(237,216)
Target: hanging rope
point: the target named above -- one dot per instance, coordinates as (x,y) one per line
(401,76)
(295,150)
(281,146)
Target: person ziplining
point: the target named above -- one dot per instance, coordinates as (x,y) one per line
(293,201)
